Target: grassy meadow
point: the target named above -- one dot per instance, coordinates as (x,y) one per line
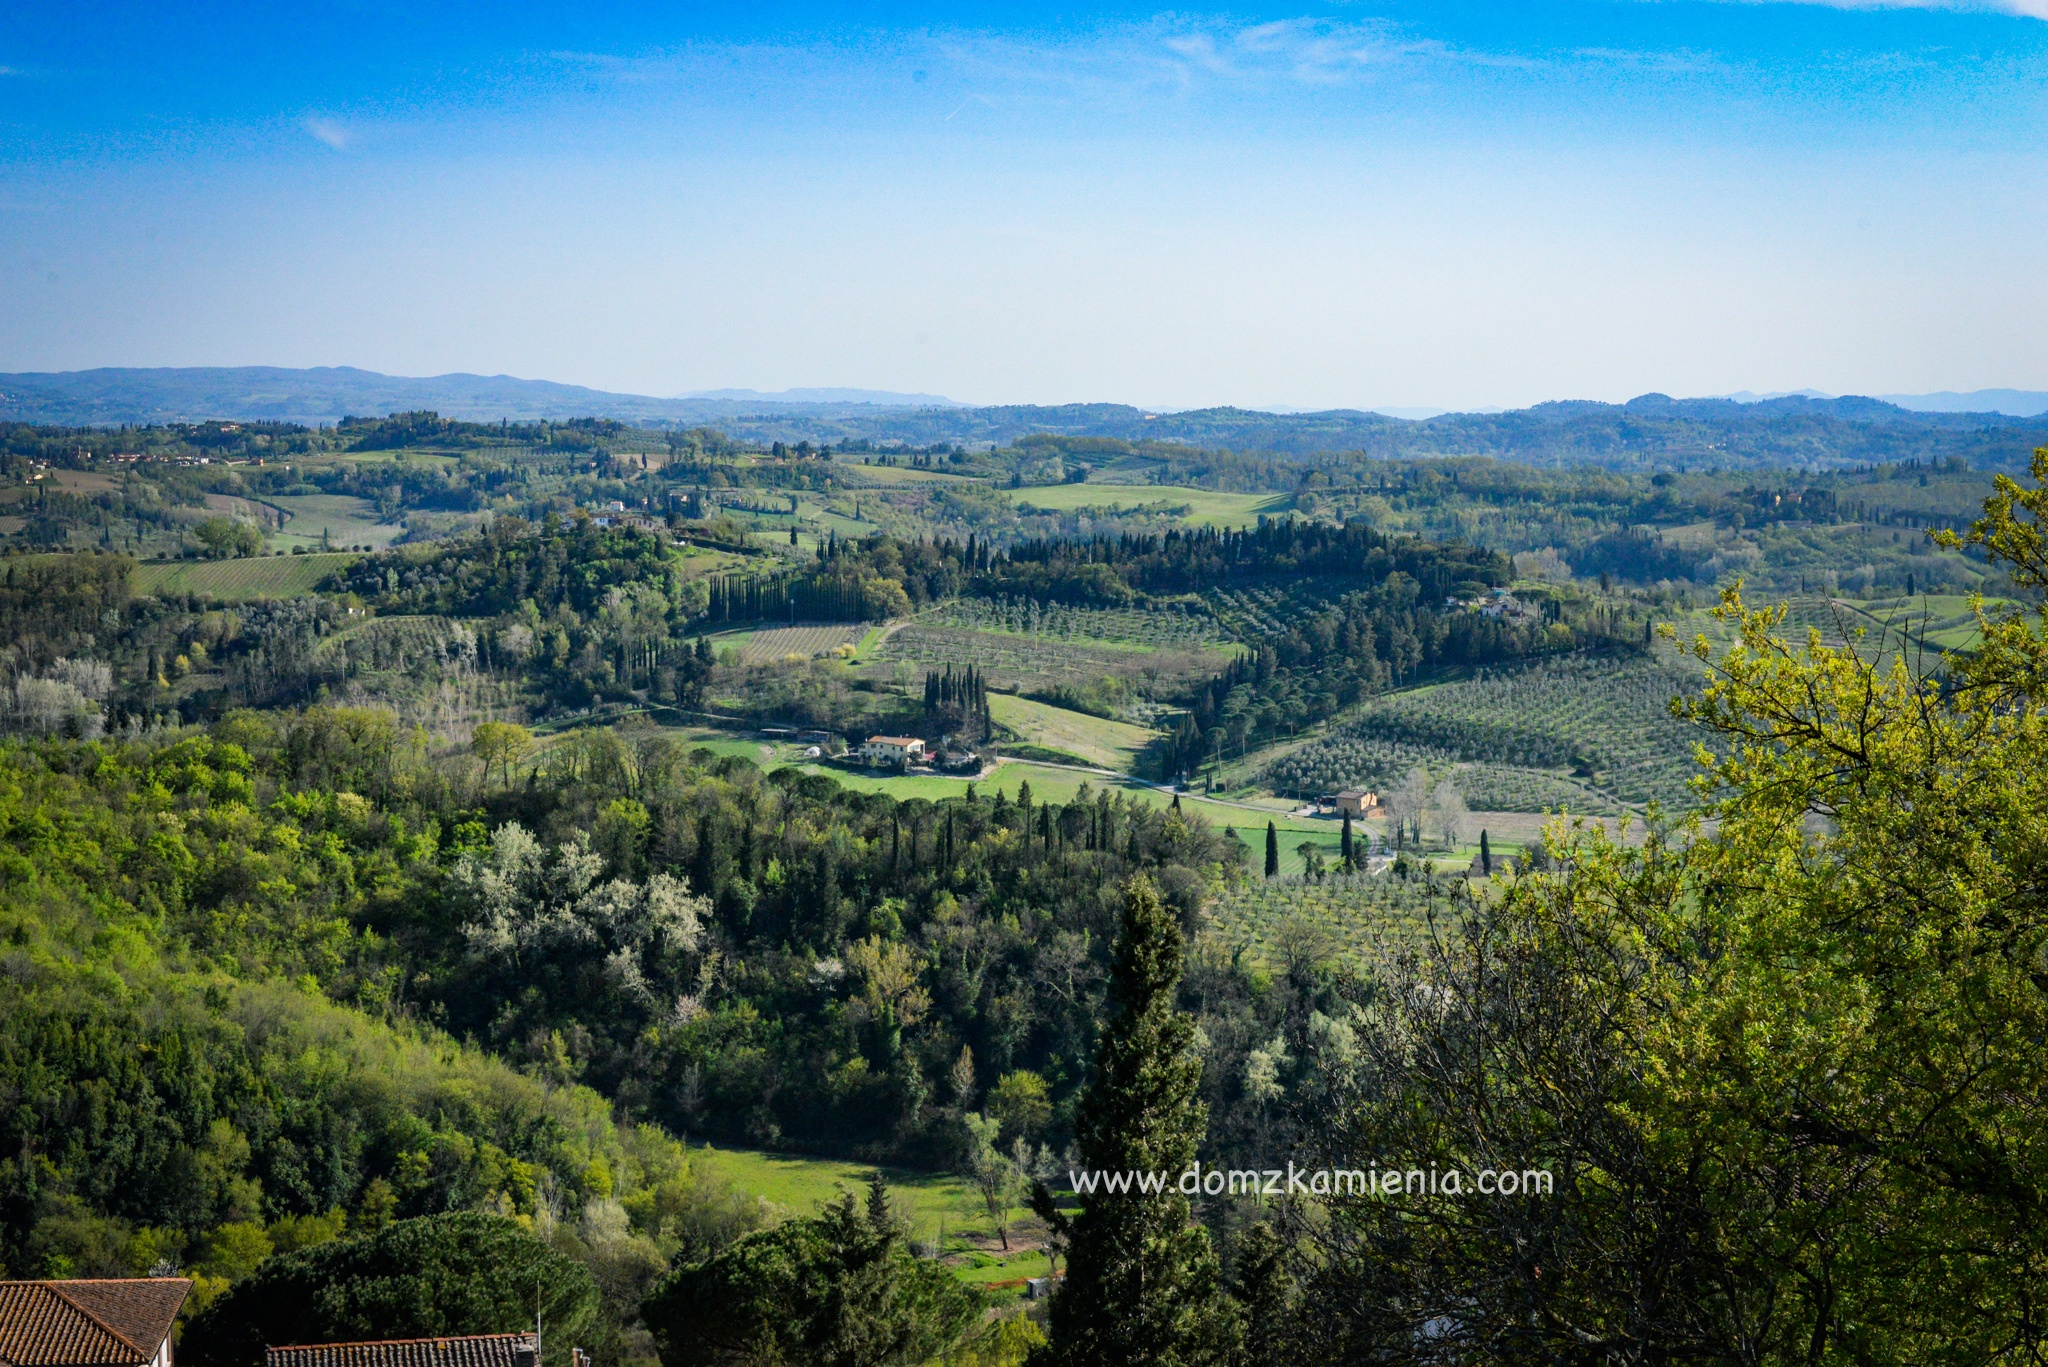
(1205,507)
(269,576)
(1090,740)
(345,519)
(772,644)
(938,1209)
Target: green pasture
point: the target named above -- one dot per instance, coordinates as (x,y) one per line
(385,457)
(1052,784)
(698,561)
(902,474)
(1935,621)
(802,1185)
(937,1208)
(1092,740)
(1206,507)
(346,519)
(269,576)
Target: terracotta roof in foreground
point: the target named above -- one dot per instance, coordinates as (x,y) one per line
(111,1322)
(473,1350)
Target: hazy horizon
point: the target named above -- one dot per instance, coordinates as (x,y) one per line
(2007,400)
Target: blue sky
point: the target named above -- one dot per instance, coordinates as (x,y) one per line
(1308,205)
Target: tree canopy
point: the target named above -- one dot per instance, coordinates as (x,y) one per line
(439,1275)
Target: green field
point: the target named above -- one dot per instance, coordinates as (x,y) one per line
(937,1208)
(1933,621)
(1091,740)
(899,474)
(1206,508)
(1053,784)
(773,645)
(1119,628)
(1014,661)
(270,576)
(801,1185)
(346,519)
(1354,911)
(1606,712)
(389,457)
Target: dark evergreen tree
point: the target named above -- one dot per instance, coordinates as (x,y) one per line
(465,1273)
(841,1288)
(1350,855)
(1485,855)
(1272,850)
(1264,1288)
(1143,1287)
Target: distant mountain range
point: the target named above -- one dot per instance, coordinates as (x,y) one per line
(2019,403)
(879,398)
(2014,403)
(1652,429)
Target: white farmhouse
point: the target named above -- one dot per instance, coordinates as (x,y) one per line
(891,751)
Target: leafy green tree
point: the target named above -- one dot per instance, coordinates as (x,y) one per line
(225,537)
(500,744)
(842,1289)
(1143,1287)
(1785,1076)
(994,1178)
(466,1273)
(1022,1102)
(1272,850)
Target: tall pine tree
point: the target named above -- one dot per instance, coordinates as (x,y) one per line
(1272,851)
(1143,1288)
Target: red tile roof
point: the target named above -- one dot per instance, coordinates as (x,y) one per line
(475,1350)
(116,1322)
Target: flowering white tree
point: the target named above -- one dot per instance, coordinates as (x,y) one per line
(531,905)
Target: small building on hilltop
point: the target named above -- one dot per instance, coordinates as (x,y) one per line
(90,1322)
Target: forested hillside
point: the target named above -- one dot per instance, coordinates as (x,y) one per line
(374,909)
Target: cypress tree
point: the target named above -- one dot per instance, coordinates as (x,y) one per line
(1143,1288)
(1346,849)
(1485,855)
(1272,850)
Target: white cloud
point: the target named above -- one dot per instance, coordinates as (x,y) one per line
(1313,51)
(328,131)
(2025,9)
